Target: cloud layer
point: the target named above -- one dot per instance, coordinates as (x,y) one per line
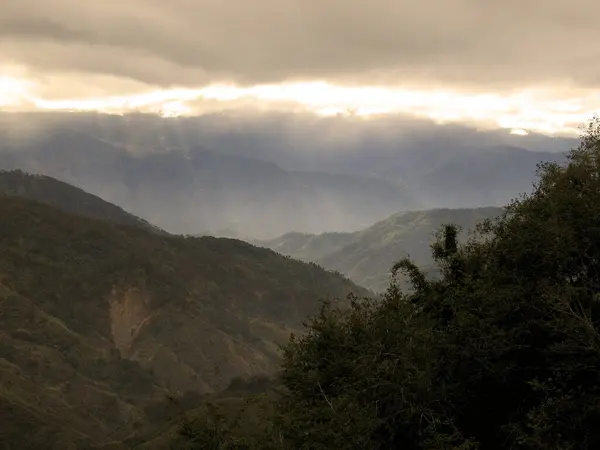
(527,65)
(196,42)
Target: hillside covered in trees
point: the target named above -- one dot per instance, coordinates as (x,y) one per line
(367,256)
(66,197)
(104,326)
(501,352)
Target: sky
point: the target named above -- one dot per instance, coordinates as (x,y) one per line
(523,66)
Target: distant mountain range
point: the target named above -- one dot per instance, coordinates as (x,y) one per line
(105,323)
(199,176)
(367,256)
(469,177)
(189,192)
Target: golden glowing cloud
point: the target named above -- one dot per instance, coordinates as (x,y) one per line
(550,111)
(14,92)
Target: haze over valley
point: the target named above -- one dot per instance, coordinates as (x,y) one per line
(263,176)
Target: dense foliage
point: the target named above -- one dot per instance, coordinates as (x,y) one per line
(501,352)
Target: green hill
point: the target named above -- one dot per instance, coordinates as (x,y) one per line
(366,256)
(307,247)
(66,197)
(100,322)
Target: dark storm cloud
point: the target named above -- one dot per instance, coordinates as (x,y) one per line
(194,42)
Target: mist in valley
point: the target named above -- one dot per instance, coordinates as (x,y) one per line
(259,175)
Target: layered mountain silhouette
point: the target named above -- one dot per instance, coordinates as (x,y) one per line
(197,190)
(216,179)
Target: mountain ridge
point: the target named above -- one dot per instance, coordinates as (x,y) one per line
(66,197)
(102,322)
(199,189)
(367,256)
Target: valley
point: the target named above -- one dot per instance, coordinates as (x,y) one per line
(139,291)
(199,176)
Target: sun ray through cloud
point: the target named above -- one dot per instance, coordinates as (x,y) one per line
(528,109)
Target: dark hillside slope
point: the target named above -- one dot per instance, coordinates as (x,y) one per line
(66,197)
(99,321)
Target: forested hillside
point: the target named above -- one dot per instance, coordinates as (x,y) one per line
(101,323)
(366,256)
(66,197)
